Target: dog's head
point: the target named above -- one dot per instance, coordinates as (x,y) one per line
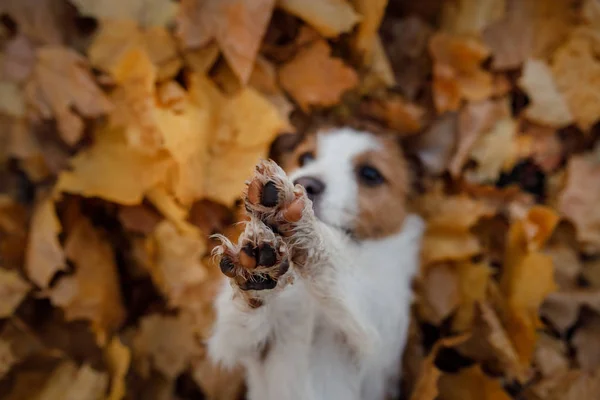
(358,181)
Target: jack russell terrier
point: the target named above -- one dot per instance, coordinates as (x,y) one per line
(317,304)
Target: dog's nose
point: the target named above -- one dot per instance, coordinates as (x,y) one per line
(314,187)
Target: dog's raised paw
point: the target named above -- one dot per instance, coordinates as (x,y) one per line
(257,261)
(271,197)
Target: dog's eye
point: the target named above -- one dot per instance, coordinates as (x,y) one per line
(305,158)
(370,176)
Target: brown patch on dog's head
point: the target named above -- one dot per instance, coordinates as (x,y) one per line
(383,185)
(291,150)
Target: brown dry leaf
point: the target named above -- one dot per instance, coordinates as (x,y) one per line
(201,60)
(426,387)
(194,26)
(548,106)
(40,20)
(92,292)
(467,17)
(69,382)
(474,120)
(567,266)
(7,357)
(114,171)
(440,295)
(62,81)
(154,342)
(13,290)
(118,358)
(176,267)
(562,308)
(248,125)
(379,72)
(17,59)
(586,342)
(139,218)
(329,17)
(457,71)
(579,200)
(543,146)
(401,116)
(572,385)
(44,255)
(551,356)
(470,384)
(116,38)
(314,77)
(12,101)
(145,12)
(577,73)
(366,34)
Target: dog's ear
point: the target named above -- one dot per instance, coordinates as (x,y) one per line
(284,145)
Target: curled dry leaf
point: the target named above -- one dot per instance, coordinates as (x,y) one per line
(154,343)
(62,81)
(579,199)
(470,384)
(329,17)
(44,255)
(114,171)
(457,71)
(144,12)
(586,342)
(314,77)
(13,290)
(92,292)
(548,106)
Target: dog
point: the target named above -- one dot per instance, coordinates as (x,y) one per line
(317,301)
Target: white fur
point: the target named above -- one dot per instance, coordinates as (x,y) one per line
(339,330)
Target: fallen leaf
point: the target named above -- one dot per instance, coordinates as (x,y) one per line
(329,17)
(44,255)
(562,308)
(13,290)
(61,81)
(176,267)
(17,59)
(578,200)
(427,386)
(315,78)
(154,341)
(69,382)
(472,287)
(139,218)
(118,358)
(403,117)
(145,12)
(366,34)
(576,72)
(40,20)
(112,170)
(551,356)
(201,60)
(249,124)
(571,385)
(218,382)
(466,17)
(547,107)
(194,26)
(440,295)
(457,71)
(92,292)
(470,384)
(12,101)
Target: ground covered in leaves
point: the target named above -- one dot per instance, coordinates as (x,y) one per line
(128,128)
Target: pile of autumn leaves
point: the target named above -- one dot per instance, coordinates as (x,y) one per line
(136,138)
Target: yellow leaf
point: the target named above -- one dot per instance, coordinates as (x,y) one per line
(114,171)
(13,290)
(93,292)
(314,77)
(249,124)
(467,17)
(44,254)
(366,35)
(329,17)
(472,282)
(145,12)
(118,358)
(70,382)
